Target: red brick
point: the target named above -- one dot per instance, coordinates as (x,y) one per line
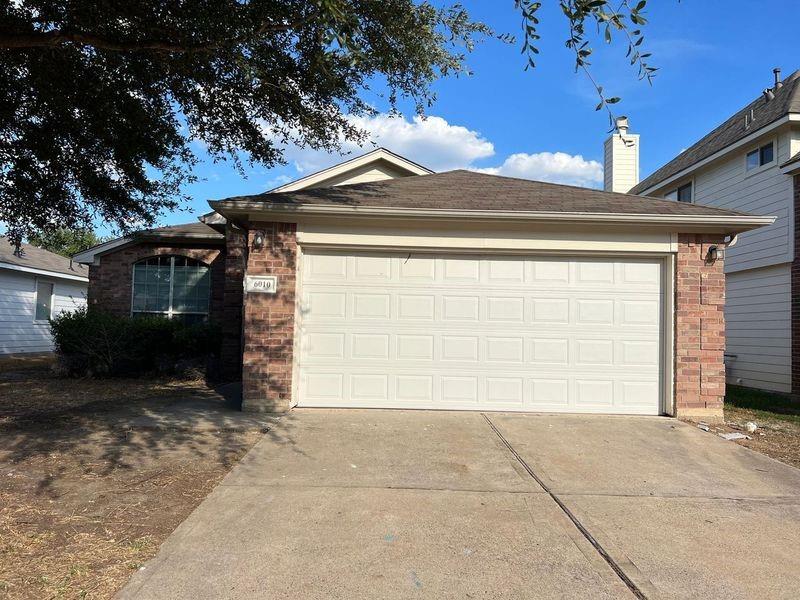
(699,326)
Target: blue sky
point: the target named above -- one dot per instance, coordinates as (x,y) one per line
(713,57)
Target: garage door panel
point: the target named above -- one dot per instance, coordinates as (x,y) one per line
(505,333)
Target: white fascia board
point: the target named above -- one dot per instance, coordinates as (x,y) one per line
(349,165)
(87,256)
(33,271)
(727,223)
(212,218)
(720,153)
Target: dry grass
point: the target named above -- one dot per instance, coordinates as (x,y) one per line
(777,417)
(28,387)
(84,502)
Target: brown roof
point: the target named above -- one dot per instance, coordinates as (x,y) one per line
(786,100)
(37,258)
(792,160)
(190,230)
(467,190)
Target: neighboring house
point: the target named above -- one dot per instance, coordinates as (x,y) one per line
(35,285)
(750,163)
(454,290)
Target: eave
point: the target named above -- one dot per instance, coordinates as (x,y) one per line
(243,211)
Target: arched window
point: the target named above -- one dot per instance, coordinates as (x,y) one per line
(173,286)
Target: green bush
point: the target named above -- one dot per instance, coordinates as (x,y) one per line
(91,342)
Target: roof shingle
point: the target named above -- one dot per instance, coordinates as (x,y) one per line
(468,190)
(37,258)
(786,101)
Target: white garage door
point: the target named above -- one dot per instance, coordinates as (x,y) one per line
(555,334)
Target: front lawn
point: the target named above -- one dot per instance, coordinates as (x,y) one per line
(778,419)
(95,474)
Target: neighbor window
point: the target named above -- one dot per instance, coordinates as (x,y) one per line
(44,300)
(681,194)
(173,286)
(760,156)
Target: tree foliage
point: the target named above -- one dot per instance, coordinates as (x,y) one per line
(66,242)
(608,17)
(100,101)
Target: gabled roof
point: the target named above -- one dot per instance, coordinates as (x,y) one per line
(319,178)
(461,193)
(185,231)
(785,102)
(36,260)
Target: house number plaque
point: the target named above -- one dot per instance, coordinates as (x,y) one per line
(261,284)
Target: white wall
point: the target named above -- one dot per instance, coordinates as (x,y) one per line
(18,330)
(758,328)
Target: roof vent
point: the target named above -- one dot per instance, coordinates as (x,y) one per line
(622,125)
(778,84)
(768,94)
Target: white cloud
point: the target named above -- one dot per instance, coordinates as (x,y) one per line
(431,142)
(555,167)
(442,146)
(277,181)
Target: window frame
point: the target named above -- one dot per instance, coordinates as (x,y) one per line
(676,190)
(758,151)
(170,312)
(52,284)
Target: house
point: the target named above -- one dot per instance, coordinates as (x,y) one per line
(750,163)
(35,285)
(455,290)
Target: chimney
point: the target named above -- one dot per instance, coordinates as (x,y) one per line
(621,159)
(778,84)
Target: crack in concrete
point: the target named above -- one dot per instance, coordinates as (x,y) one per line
(635,590)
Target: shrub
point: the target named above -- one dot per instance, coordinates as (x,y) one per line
(91,342)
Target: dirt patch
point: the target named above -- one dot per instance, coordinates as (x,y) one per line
(85,502)
(779,439)
(30,387)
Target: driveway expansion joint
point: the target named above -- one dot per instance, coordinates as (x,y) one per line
(635,590)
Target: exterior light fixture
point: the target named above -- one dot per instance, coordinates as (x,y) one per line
(713,254)
(258,240)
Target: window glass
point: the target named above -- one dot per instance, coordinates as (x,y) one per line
(766,154)
(681,194)
(761,156)
(685,193)
(171,285)
(752,160)
(44,300)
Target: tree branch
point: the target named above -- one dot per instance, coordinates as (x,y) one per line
(50,39)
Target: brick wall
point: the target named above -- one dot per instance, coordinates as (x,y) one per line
(795,305)
(699,329)
(235,261)
(110,282)
(269,321)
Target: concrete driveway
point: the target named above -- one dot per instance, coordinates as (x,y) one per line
(415,504)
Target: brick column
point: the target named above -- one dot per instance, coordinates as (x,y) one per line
(269,321)
(795,286)
(699,329)
(233,295)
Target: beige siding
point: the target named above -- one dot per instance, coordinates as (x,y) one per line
(764,192)
(758,328)
(621,163)
(376,171)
